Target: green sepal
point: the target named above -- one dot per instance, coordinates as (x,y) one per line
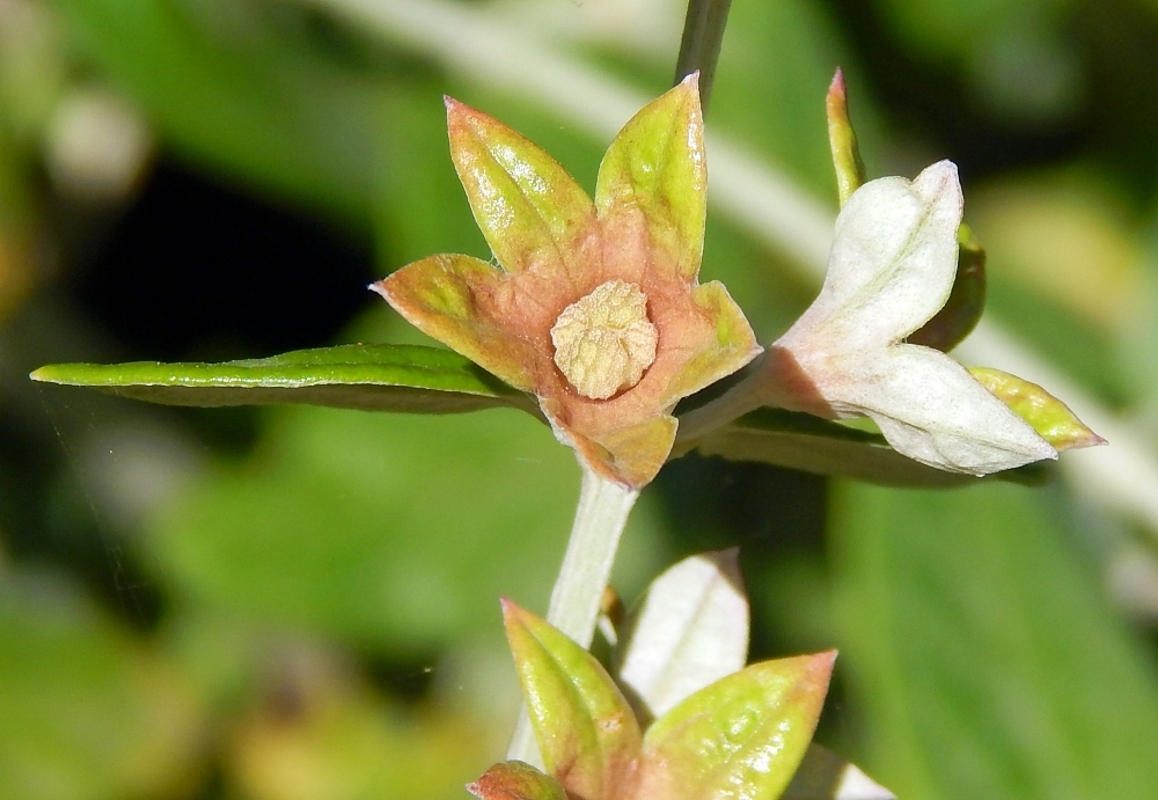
(514,780)
(961,312)
(1050,417)
(529,209)
(656,166)
(368,377)
(802,441)
(746,732)
(587,733)
(846,160)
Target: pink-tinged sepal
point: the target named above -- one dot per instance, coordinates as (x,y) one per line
(743,735)
(587,733)
(514,780)
(655,175)
(457,300)
(846,161)
(530,210)
(1050,417)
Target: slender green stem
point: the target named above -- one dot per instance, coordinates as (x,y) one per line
(700,47)
(575,601)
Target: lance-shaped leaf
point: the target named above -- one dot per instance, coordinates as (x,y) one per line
(365,377)
(514,780)
(891,269)
(743,736)
(594,307)
(1050,417)
(587,733)
(689,630)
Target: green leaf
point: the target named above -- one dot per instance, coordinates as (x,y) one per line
(587,733)
(811,444)
(983,650)
(514,780)
(742,736)
(379,377)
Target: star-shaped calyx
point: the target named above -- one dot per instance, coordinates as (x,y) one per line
(595,306)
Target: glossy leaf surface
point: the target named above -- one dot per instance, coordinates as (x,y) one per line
(743,736)
(380,377)
(587,733)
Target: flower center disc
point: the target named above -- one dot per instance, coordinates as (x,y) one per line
(604,341)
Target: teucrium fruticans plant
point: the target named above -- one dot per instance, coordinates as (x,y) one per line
(594,320)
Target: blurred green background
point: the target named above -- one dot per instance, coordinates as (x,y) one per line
(293,603)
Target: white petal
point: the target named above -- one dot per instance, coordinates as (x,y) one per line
(690,630)
(932,410)
(823,775)
(893,259)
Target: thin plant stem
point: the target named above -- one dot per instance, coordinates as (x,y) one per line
(600,518)
(700,46)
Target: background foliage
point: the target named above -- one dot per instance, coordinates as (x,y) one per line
(302,603)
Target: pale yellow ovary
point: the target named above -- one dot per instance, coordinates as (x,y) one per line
(604,341)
